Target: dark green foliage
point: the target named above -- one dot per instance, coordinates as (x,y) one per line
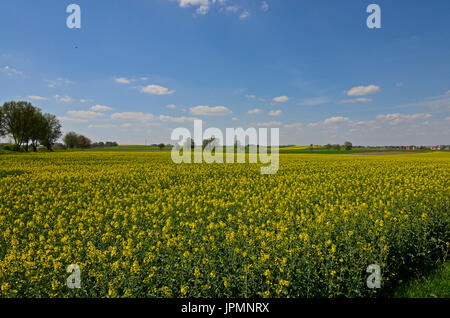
(26,123)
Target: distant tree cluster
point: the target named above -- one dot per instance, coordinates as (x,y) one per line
(347,146)
(102,144)
(73,140)
(28,126)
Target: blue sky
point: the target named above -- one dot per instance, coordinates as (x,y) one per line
(138,69)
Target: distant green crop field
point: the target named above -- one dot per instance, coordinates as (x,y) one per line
(323,150)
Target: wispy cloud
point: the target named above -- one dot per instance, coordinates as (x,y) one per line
(294,125)
(122,80)
(395,119)
(170,119)
(103,126)
(35,97)
(244,15)
(8,70)
(281,99)
(203,7)
(87,114)
(210,110)
(100,108)
(72,120)
(363,90)
(265,6)
(255,111)
(355,100)
(314,101)
(63,99)
(60,81)
(330,121)
(269,124)
(275,113)
(134,116)
(156,90)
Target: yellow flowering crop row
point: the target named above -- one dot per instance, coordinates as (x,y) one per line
(139,225)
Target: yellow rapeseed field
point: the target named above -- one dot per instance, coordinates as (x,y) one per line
(139,225)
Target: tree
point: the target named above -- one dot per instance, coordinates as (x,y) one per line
(111,144)
(17,120)
(189,143)
(161,146)
(83,142)
(337,147)
(25,123)
(213,142)
(328,146)
(2,129)
(348,145)
(37,129)
(51,131)
(71,140)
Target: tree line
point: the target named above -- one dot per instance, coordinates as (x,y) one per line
(74,140)
(28,126)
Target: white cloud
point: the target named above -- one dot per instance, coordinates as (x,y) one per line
(170,119)
(363,90)
(64,99)
(330,121)
(397,118)
(265,6)
(126,125)
(100,108)
(314,101)
(210,111)
(294,125)
(355,100)
(102,126)
(187,3)
(72,120)
(11,71)
(232,9)
(34,97)
(58,82)
(202,10)
(236,119)
(280,99)
(275,112)
(269,124)
(87,114)
(156,90)
(122,80)
(135,116)
(255,111)
(203,5)
(171,106)
(250,96)
(244,15)
(335,120)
